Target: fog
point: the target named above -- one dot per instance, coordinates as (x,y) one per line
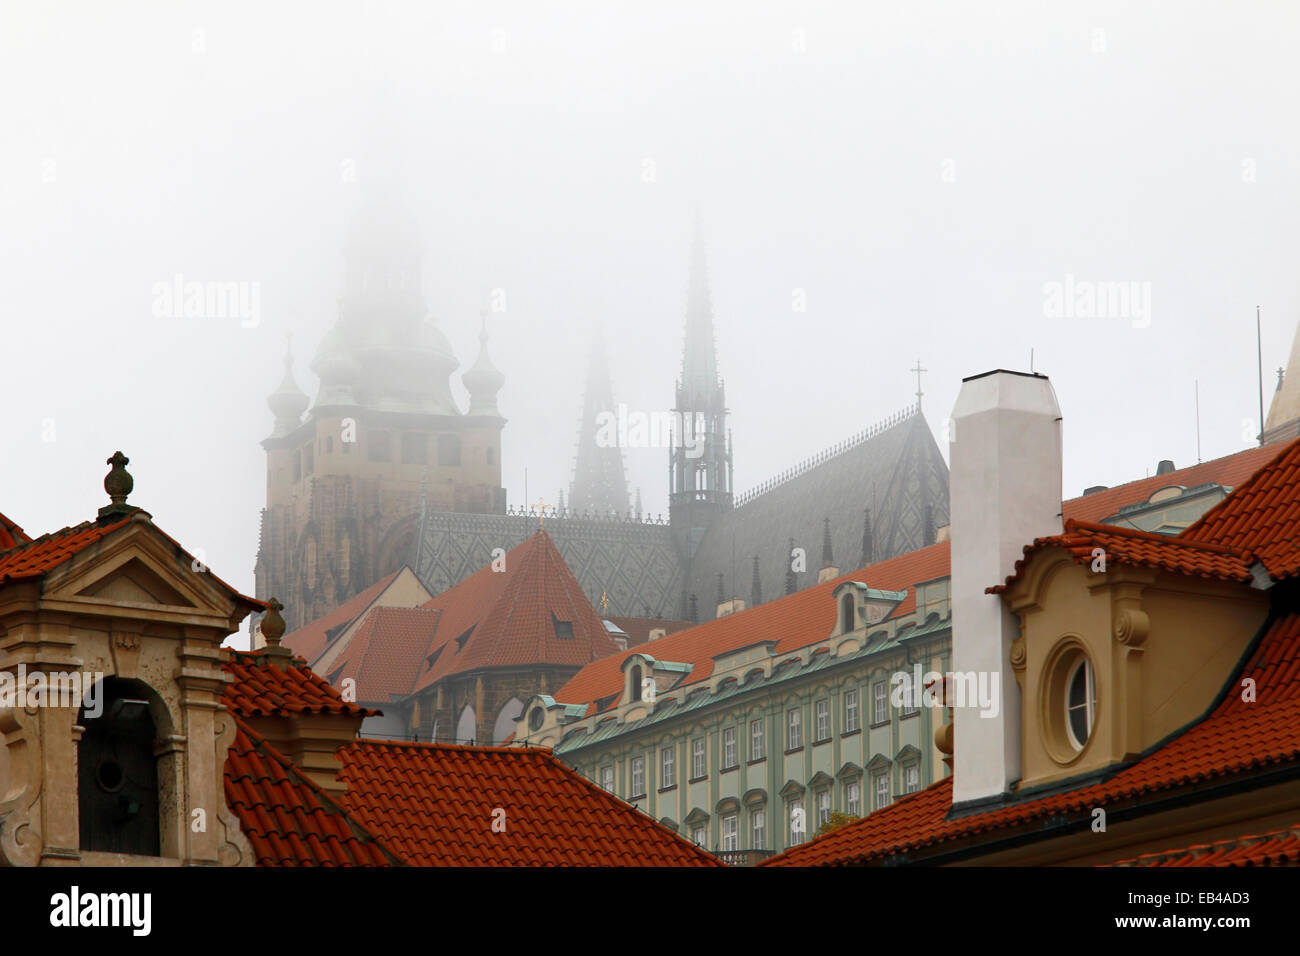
(878,184)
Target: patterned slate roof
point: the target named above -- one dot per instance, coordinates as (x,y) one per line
(1236,739)
(893,470)
(1139,549)
(436,806)
(1262,516)
(1275,848)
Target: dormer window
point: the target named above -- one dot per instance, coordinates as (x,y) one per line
(848,613)
(636,684)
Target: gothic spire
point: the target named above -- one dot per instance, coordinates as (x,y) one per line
(699,355)
(868,540)
(791,582)
(599,479)
(755,587)
(827,560)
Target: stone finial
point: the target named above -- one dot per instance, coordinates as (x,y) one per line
(272,630)
(118,483)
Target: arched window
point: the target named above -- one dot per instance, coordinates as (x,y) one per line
(510,712)
(117,782)
(466,727)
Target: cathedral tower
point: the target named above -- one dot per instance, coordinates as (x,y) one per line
(345,485)
(700,480)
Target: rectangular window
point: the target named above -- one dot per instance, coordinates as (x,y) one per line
(850,711)
(757,745)
(880,785)
(823,720)
(730,832)
(667,770)
(638,776)
(879,702)
(823,807)
(697,758)
(329,445)
(794,730)
(377,447)
(308,459)
(729,759)
(449,449)
(797,823)
(415,448)
(912,778)
(853,798)
(699,835)
(607,778)
(758,830)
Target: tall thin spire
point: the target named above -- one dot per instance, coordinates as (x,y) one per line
(755,587)
(828,560)
(599,478)
(700,355)
(868,540)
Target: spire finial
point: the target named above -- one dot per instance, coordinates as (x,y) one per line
(118,483)
(918,370)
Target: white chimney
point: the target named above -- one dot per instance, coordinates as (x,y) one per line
(1005,491)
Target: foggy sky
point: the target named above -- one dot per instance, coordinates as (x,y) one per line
(919,171)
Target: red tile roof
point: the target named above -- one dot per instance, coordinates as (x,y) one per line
(1276,848)
(310,640)
(35,558)
(260,689)
(508,618)
(10,534)
(1236,739)
(1138,548)
(638,629)
(385,653)
(288,820)
(1262,516)
(435,806)
(1229,471)
(793,621)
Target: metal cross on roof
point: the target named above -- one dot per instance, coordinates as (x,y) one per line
(541,512)
(918,370)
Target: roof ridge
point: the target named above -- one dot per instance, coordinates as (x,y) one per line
(826,454)
(1123,531)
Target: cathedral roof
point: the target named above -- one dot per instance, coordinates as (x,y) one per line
(892,469)
(310,640)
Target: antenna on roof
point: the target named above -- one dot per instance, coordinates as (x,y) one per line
(1259,354)
(1198,419)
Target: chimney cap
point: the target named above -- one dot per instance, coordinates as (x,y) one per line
(1003,371)
(1165,467)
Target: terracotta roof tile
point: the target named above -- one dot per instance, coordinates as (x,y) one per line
(638,629)
(793,621)
(1138,548)
(1262,516)
(260,689)
(310,640)
(1230,471)
(385,654)
(1237,738)
(1276,848)
(34,558)
(288,820)
(435,806)
(11,536)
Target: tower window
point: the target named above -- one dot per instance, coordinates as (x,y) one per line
(449,449)
(308,459)
(415,448)
(491,456)
(117,785)
(297,465)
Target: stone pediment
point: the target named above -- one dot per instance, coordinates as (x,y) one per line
(140,569)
